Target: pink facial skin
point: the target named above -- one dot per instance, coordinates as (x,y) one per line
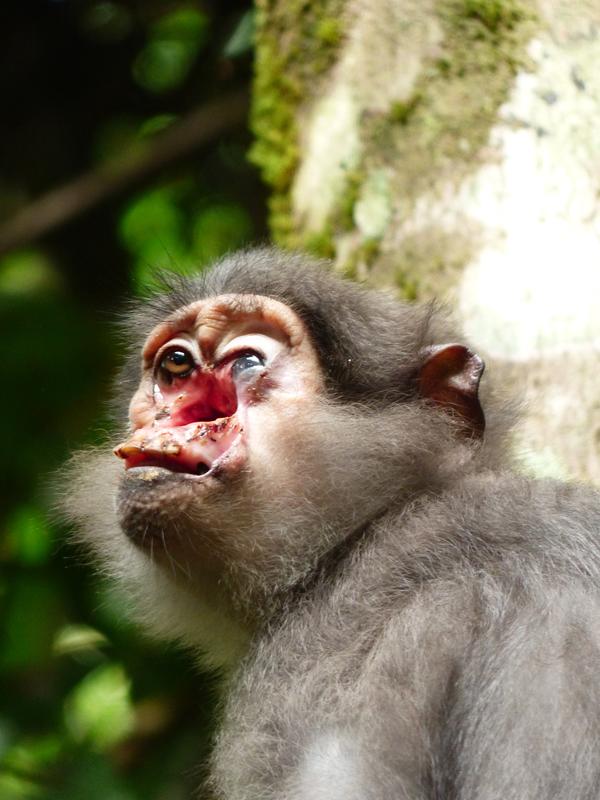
(197,423)
(194,424)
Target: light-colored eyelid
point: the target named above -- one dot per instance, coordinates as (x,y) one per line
(265,346)
(176,341)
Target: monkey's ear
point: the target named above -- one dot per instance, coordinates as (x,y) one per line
(449,377)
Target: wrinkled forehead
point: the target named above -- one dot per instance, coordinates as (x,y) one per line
(214,320)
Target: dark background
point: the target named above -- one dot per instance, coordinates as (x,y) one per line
(102,107)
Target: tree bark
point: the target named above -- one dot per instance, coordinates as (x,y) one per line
(451,148)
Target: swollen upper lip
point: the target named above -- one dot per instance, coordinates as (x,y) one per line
(186,446)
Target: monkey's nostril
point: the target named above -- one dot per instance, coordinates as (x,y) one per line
(202,469)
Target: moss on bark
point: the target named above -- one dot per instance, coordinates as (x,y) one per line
(296,44)
(436,135)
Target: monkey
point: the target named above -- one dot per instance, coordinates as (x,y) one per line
(314,490)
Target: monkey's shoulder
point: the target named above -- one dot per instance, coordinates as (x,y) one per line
(496,535)
(507,523)
(480,586)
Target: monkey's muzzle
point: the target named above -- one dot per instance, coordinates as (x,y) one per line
(191,424)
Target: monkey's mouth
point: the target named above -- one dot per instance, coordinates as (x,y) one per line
(194,430)
(194,449)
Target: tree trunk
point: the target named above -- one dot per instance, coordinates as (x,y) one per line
(451,148)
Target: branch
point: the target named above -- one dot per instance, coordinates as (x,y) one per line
(69,201)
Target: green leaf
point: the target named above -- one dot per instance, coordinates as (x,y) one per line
(219,229)
(154,125)
(27,272)
(167,58)
(99,709)
(152,219)
(72,639)
(242,39)
(29,539)
(30,757)
(15,787)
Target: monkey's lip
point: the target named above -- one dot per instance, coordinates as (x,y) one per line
(195,449)
(157,473)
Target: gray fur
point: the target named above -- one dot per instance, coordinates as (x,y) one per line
(409,619)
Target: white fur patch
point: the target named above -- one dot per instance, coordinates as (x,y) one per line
(330,769)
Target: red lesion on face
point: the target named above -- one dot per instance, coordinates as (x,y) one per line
(195,421)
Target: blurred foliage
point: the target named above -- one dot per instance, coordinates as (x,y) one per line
(173,44)
(88,708)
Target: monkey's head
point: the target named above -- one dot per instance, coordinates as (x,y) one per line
(274,411)
(229,390)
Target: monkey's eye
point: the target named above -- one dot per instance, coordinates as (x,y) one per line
(246,362)
(176,363)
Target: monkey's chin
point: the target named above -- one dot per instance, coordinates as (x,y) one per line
(158,507)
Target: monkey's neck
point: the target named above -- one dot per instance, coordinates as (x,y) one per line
(263,606)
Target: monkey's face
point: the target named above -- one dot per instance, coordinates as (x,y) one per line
(227,384)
